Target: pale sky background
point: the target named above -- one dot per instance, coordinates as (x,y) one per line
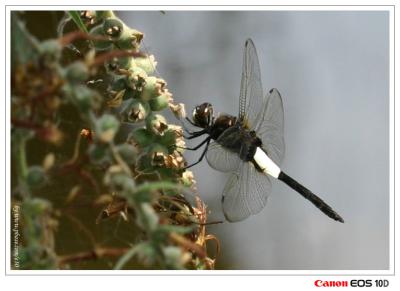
(332,69)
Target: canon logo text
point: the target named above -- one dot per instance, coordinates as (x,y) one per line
(320,283)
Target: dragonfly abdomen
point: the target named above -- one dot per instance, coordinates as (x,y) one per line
(314,199)
(268,166)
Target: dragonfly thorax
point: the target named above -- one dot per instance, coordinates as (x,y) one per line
(221,123)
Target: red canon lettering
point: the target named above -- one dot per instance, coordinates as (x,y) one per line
(320,283)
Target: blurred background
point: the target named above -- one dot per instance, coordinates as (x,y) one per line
(332,69)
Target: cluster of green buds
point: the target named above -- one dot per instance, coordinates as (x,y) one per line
(153,146)
(138,95)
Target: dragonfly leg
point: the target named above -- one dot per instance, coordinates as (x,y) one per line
(196,147)
(191,134)
(188,131)
(196,134)
(191,122)
(202,155)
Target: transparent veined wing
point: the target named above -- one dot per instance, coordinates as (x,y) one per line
(251,92)
(245,193)
(219,157)
(271,125)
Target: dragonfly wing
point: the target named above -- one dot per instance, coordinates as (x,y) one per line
(245,193)
(251,93)
(270,127)
(222,159)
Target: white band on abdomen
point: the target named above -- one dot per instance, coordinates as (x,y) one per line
(266,164)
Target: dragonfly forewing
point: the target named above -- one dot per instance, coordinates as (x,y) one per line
(251,91)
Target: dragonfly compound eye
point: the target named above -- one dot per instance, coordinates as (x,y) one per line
(194,112)
(202,115)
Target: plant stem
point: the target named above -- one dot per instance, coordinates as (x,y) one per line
(21,160)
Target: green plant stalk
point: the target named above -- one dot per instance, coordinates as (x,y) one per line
(119,160)
(22,165)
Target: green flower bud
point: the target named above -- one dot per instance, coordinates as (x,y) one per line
(156,123)
(144,164)
(174,257)
(113,28)
(158,155)
(119,181)
(83,97)
(35,206)
(160,102)
(142,137)
(168,139)
(125,63)
(157,148)
(129,39)
(149,218)
(36,177)
(119,83)
(148,64)
(149,89)
(127,152)
(106,128)
(50,51)
(137,111)
(77,72)
(99,153)
(137,78)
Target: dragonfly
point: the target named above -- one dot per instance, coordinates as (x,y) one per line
(249,146)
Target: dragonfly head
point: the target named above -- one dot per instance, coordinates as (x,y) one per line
(203,115)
